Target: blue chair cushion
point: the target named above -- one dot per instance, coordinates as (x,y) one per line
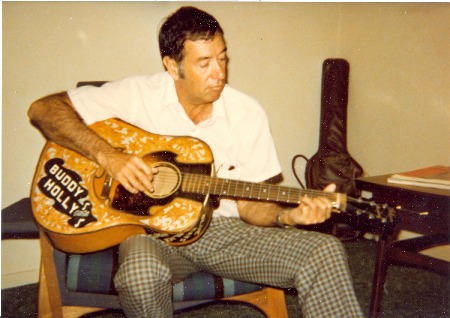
(94,272)
(18,222)
(203,285)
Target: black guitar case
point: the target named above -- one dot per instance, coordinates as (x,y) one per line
(332,163)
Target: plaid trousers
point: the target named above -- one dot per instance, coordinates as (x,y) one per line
(313,263)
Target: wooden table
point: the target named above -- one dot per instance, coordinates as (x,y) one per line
(423,210)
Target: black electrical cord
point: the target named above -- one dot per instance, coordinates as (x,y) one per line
(295,171)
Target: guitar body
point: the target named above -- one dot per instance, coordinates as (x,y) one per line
(83,210)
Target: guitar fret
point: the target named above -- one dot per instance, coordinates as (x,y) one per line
(193,182)
(206,187)
(198,184)
(283,193)
(235,189)
(185,184)
(298,195)
(215,186)
(222,191)
(264,190)
(247,189)
(219,186)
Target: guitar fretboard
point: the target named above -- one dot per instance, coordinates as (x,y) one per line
(202,184)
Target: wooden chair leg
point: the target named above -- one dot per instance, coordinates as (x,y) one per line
(49,301)
(77,311)
(271,301)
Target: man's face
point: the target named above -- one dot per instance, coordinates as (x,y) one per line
(202,73)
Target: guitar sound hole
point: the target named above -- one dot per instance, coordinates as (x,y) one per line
(166,182)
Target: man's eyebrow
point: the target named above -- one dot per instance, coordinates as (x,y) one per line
(203,58)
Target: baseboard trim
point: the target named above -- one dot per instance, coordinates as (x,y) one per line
(20,278)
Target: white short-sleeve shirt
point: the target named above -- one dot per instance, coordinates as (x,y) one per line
(238,131)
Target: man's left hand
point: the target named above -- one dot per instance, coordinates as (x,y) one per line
(310,211)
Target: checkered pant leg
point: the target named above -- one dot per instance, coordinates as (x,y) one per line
(324,283)
(314,263)
(148,268)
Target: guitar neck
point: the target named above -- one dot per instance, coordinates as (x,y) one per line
(202,184)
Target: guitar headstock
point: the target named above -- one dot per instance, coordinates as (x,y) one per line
(377,217)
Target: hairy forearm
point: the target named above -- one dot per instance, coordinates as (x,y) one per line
(259,213)
(59,122)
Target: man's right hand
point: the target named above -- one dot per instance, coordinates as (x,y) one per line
(129,170)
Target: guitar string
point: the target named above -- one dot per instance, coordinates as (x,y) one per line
(201,183)
(198,183)
(210,182)
(204,184)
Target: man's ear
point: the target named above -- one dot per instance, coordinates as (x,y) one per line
(172,67)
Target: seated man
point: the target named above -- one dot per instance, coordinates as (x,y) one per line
(246,240)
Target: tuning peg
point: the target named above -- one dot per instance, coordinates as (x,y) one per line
(420,213)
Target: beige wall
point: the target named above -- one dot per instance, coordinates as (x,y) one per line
(398,112)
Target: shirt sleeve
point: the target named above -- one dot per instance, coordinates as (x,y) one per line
(112,100)
(258,160)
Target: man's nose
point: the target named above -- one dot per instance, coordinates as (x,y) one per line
(219,71)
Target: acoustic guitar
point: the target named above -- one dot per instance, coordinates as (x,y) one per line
(82,209)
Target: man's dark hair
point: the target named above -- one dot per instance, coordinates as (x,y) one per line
(187,23)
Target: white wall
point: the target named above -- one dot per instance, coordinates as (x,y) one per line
(398,112)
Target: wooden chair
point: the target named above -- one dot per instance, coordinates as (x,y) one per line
(71,285)
(67,288)
(59,296)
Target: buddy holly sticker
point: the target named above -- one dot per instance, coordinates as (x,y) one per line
(63,186)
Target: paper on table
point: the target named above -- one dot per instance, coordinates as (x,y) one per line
(434,177)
